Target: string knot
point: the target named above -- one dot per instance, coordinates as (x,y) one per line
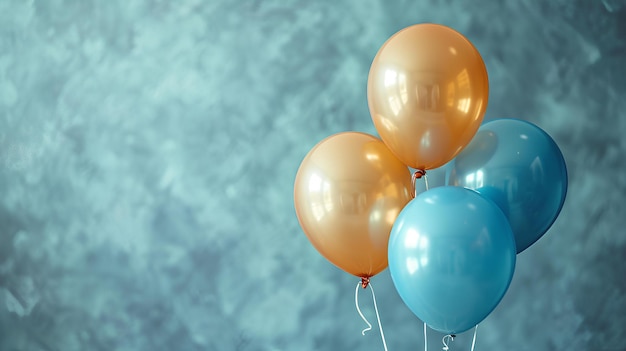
(365,282)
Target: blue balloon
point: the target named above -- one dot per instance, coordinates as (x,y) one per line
(451,257)
(518,166)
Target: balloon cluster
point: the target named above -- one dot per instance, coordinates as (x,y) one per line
(451,250)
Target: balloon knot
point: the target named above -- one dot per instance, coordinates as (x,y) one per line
(365,282)
(419,174)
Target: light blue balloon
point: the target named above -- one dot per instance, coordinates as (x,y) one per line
(520,167)
(451,257)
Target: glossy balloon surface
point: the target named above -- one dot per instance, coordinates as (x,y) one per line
(451,257)
(521,168)
(348,192)
(427,93)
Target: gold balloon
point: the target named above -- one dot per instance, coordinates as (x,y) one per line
(348,192)
(427,92)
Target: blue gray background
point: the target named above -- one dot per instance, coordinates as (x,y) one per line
(148,151)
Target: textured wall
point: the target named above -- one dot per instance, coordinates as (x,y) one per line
(148,151)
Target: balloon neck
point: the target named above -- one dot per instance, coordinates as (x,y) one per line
(365,282)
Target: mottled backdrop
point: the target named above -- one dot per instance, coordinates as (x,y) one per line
(148,151)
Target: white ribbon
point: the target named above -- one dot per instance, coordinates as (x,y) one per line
(369,326)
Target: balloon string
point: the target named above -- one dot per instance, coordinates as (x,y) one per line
(380,326)
(418,174)
(474,339)
(449,337)
(445,340)
(369,326)
(358,309)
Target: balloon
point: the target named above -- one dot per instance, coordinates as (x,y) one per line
(427,92)
(347,194)
(520,167)
(451,257)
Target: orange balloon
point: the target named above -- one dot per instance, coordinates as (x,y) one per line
(427,92)
(348,192)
